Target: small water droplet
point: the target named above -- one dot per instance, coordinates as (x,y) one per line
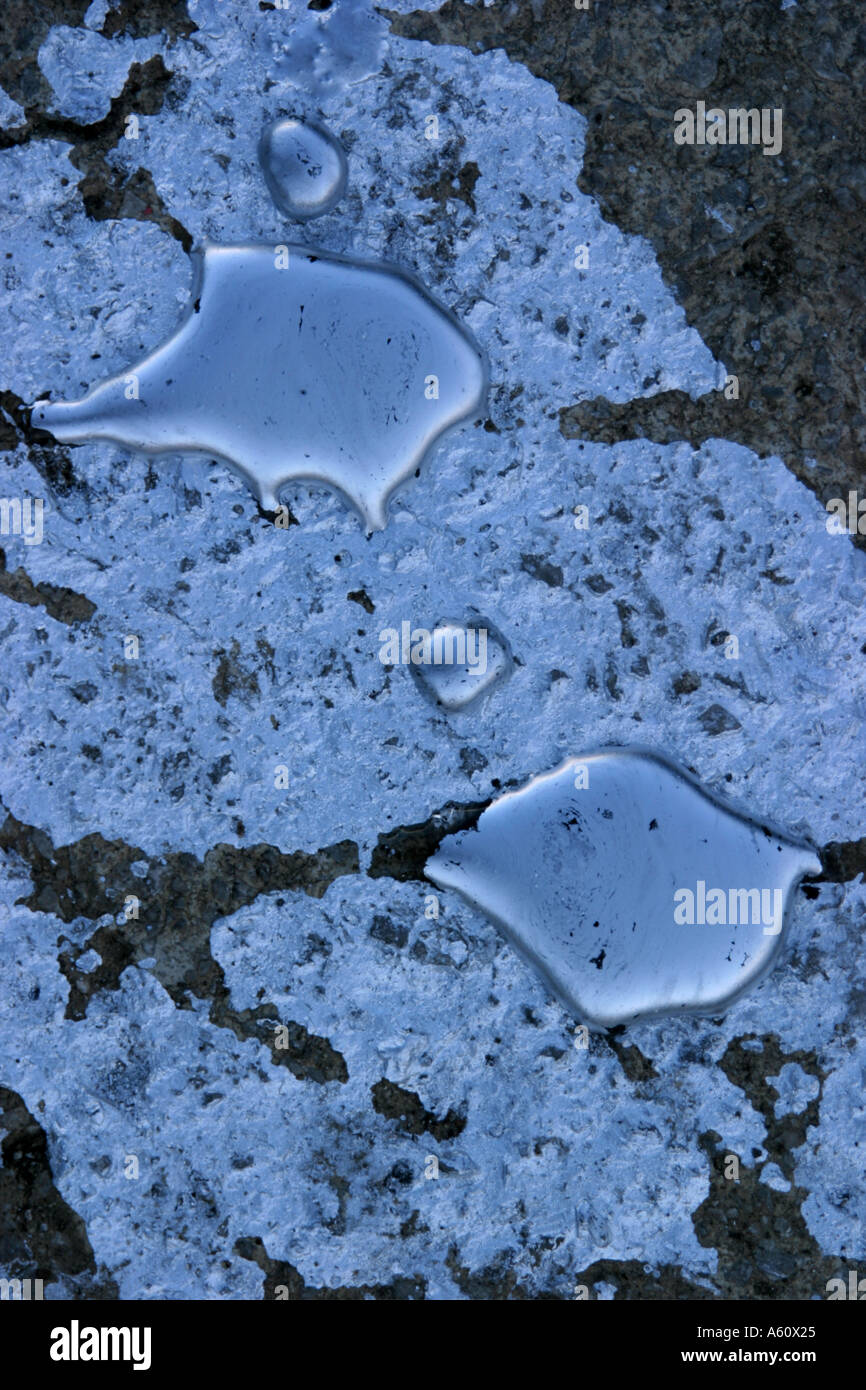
(337,394)
(304,166)
(460,662)
(621,921)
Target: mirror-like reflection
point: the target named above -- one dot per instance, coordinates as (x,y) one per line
(294,364)
(631,889)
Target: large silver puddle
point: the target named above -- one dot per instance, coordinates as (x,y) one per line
(632,890)
(293,364)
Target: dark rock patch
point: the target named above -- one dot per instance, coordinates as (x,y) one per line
(406,1108)
(60,603)
(178,899)
(284,1282)
(774,280)
(41,1237)
(402,853)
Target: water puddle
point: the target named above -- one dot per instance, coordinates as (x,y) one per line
(304,166)
(293,364)
(632,890)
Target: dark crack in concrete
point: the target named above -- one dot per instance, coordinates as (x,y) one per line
(283,1282)
(231,677)
(411,1115)
(632,1281)
(668,417)
(139,19)
(109,192)
(307,1056)
(774,280)
(765,1249)
(402,853)
(361,597)
(50,459)
(843,860)
(446,183)
(636,1066)
(538,568)
(23,31)
(26,26)
(41,1237)
(750,1069)
(496,1283)
(63,604)
(178,899)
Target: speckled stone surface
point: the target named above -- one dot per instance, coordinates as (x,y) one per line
(237,1025)
(764,254)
